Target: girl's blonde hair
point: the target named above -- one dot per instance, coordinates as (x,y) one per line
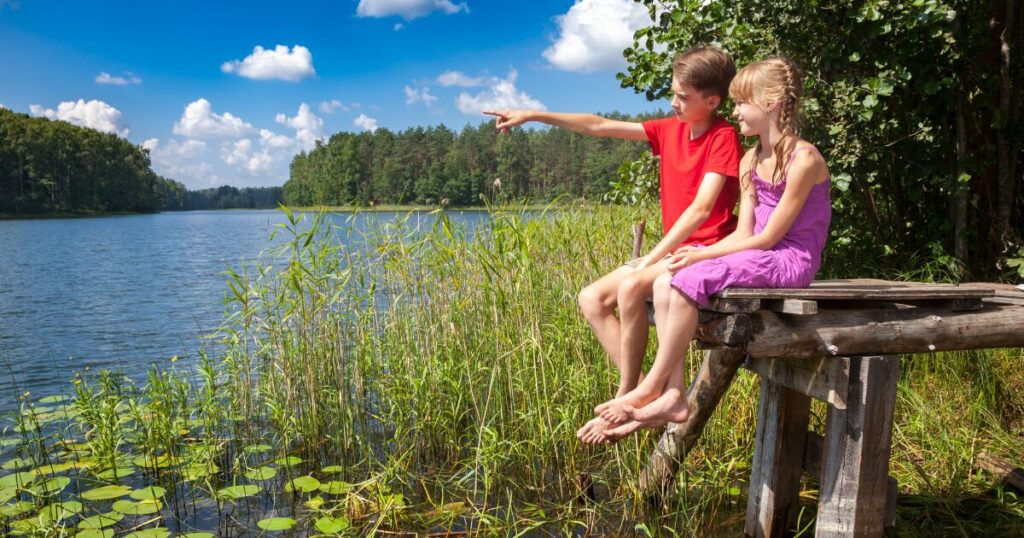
(775,80)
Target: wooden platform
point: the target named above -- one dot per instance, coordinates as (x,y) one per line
(840,342)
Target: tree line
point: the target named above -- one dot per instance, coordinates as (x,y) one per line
(427,165)
(51,166)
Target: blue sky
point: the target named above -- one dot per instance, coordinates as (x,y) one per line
(187,80)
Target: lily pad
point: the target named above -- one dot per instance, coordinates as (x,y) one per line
(159,462)
(16,463)
(288,461)
(155,532)
(55,512)
(262,473)
(314,503)
(276,523)
(100,521)
(335,487)
(16,509)
(254,449)
(95,533)
(56,468)
(305,484)
(18,479)
(106,492)
(238,492)
(196,471)
(333,469)
(152,492)
(140,508)
(116,473)
(196,535)
(331,525)
(56,398)
(51,486)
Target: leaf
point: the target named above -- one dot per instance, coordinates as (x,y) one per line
(196,535)
(335,487)
(117,473)
(333,469)
(238,492)
(51,486)
(95,533)
(252,449)
(16,463)
(106,492)
(331,525)
(100,521)
(305,484)
(140,508)
(18,479)
(276,523)
(55,512)
(56,398)
(152,492)
(155,532)
(288,461)
(262,473)
(16,509)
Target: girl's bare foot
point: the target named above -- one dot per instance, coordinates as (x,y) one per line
(593,432)
(614,410)
(613,435)
(669,407)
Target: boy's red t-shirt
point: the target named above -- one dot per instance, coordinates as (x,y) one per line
(683,165)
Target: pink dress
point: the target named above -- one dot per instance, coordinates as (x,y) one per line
(791,263)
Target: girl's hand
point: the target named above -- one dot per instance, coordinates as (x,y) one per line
(509,118)
(684,257)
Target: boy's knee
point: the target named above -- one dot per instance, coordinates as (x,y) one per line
(590,301)
(631,290)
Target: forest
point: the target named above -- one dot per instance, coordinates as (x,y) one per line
(442,166)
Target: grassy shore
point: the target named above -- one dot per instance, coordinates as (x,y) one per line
(434,382)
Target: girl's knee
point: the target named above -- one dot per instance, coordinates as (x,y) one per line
(631,290)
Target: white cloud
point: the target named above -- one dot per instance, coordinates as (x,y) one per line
(398,26)
(308,126)
(458,78)
(3,106)
(413,95)
(594,33)
(502,94)
(150,144)
(199,121)
(107,78)
(332,106)
(280,63)
(184,161)
(93,114)
(365,122)
(407,9)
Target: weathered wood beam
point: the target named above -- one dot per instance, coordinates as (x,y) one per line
(706,390)
(833,333)
(1003,469)
(822,378)
(782,417)
(858,442)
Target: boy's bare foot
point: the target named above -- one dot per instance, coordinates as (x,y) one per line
(593,432)
(614,435)
(614,410)
(669,407)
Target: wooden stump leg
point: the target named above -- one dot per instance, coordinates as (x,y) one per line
(706,389)
(782,417)
(858,442)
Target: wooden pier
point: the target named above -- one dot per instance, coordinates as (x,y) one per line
(838,341)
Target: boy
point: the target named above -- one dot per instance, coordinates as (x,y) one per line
(700,154)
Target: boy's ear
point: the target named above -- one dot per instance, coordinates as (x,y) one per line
(713,101)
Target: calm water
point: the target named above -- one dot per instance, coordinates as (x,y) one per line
(124,292)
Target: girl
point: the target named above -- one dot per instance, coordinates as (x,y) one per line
(784,216)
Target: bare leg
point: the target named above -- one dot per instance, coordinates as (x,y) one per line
(634,330)
(674,336)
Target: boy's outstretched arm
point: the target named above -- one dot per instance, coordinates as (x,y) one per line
(588,124)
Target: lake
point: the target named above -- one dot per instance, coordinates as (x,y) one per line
(125,292)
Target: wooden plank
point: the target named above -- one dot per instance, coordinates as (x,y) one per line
(730,330)
(733,306)
(861,289)
(798,307)
(813,465)
(782,419)
(1008,472)
(865,332)
(822,378)
(706,390)
(858,442)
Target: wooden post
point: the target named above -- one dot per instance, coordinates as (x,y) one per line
(858,442)
(708,386)
(782,417)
